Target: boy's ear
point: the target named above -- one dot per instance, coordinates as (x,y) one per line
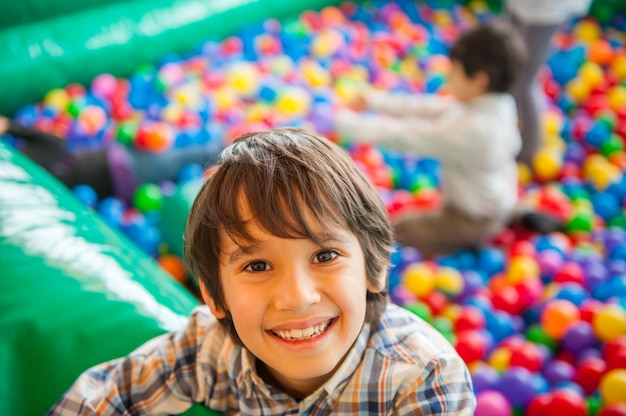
(219,313)
(381,281)
(482,80)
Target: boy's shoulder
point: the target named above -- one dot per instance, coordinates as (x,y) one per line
(405,337)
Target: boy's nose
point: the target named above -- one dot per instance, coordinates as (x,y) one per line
(297,291)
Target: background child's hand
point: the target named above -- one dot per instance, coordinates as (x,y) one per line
(358,103)
(4,125)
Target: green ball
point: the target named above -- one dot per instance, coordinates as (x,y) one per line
(148,197)
(537,335)
(420,309)
(581,221)
(126,132)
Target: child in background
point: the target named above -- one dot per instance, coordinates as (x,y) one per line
(536,21)
(290,244)
(114,170)
(474,134)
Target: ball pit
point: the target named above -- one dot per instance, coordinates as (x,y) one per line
(542,320)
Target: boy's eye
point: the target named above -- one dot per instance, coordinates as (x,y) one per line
(325,256)
(257,266)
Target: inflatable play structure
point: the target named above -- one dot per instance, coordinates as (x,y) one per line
(74,291)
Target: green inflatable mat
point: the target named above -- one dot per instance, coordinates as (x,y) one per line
(73,292)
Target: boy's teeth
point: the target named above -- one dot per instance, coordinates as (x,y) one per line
(301,334)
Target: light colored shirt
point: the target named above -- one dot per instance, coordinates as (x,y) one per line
(476,143)
(402,367)
(544,12)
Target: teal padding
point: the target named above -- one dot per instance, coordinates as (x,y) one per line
(17,13)
(117,38)
(73,292)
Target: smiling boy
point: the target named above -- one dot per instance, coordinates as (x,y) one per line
(290,244)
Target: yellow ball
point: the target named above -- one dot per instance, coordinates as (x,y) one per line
(618,66)
(420,279)
(244,79)
(58,99)
(578,89)
(552,123)
(547,164)
(449,281)
(609,322)
(613,387)
(591,73)
(293,102)
(316,74)
(587,31)
(524,173)
(617,97)
(500,359)
(522,268)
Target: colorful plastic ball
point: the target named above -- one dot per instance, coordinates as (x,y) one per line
(579,336)
(558,371)
(86,194)
(449,281)
(547,164)
(471,318)
(174,266)
(600,51)
(558,316)
(492,403)
(244,78)
(112,210)
(516,385)
(92,119)
(189,172)
(527,355)
(148,197)
(484,377)
(146,236)
(104,86)
(613,387)
(420,279)
(154,136)
(609,322)
(589,372)
(567,402)
(471,345)
(420,309)
(617,409)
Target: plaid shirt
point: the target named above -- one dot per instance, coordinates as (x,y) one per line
(403,367)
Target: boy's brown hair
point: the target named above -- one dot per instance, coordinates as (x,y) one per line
(279,172)
(494,48)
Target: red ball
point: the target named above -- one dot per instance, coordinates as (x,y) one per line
(617,409)
(507,299)
(567,402)
(528,355)
(437,301)
(589,373)
(570,272)
(470,318)
(471,346)
(539,405)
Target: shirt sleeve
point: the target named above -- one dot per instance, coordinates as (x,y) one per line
(403,104)
(444,389)
(158,377)
(437,137)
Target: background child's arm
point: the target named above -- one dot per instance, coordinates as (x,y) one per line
(404,104)
(440,137)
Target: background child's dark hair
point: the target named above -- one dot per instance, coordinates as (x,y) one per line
(494,48)
(279,172)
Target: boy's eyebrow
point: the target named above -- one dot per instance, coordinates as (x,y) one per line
(325,238)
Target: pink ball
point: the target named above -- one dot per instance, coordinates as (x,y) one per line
(492,403)
(104,86)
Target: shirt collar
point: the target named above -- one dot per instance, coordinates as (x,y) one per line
(250,379)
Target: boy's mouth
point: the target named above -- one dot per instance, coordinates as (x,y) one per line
(304,333)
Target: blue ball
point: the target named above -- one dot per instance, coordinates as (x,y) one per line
(86,194)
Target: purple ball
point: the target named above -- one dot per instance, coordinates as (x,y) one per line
(558,371)
(579,337)
(485,378)
(517,385)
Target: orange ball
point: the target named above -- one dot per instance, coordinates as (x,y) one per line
(558,316)
(600,52)
(174,266)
